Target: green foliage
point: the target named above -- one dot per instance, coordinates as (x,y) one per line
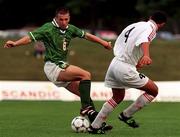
(19,63)
(146,7)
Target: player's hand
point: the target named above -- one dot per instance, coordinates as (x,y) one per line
(108,46)
(145,60)
(9,44)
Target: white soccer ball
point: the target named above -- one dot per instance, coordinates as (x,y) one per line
(80,124)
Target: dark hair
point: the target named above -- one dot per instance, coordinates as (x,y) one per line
(62,10)
(159,17)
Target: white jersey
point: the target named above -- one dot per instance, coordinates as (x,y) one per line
(127,46)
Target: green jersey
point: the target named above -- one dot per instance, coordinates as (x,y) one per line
(56,41)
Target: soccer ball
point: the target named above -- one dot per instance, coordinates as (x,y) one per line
(80,124)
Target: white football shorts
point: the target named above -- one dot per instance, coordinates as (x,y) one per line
(52,72)
(122,75)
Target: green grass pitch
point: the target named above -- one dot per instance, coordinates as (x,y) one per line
(53,118)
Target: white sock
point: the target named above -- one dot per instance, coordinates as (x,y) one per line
(106,109)
(141,101)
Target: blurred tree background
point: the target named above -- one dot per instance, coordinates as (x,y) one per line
(90,14)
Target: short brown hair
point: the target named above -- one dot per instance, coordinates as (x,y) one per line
(62,10)
(159,17)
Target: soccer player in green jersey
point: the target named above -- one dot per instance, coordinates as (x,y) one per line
(56,36)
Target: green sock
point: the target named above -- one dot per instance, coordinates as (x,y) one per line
(84,89)
(92,104)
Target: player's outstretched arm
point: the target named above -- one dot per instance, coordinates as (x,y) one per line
(23,41)
(94,38)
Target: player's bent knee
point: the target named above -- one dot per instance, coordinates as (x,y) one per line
(87,76)
(151,88)
(154,90)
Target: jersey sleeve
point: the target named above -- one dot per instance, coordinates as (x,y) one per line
(146,36)
(37,34)
(77,32)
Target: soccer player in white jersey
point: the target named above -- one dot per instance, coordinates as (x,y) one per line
(131,52)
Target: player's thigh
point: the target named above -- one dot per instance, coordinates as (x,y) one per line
(123,75)
(151,88)
(133,79)
(114,75)
(52,71)
(74,73)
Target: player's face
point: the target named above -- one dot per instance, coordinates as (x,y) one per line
(63,20)
(161,25)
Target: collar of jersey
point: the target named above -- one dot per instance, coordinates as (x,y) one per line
(153,24)
(56,25)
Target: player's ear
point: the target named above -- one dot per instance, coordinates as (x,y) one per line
(69,17)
